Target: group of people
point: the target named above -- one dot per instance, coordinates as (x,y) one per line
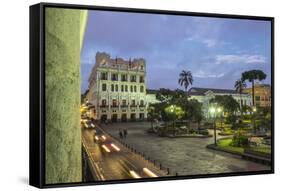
(123,133)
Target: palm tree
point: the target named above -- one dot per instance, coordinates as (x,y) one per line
(185,79)
(251,76)
(239,86)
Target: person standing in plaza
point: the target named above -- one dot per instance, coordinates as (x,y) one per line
(120,134)
(125,133)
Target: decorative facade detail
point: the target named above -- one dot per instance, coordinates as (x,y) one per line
(117,89)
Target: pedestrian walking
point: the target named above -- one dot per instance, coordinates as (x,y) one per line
(120,134)
(125,133)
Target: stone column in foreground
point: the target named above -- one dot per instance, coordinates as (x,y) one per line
(64,30)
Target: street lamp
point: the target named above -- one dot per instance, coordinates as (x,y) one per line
(220,112)
(254,118)
(172,110)
(214,110)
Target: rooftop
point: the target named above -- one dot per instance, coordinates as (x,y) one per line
(202,91)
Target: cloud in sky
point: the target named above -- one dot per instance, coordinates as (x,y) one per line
(211,48)
(205,74)
(242,58)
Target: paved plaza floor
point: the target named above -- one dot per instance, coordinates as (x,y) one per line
(185,156)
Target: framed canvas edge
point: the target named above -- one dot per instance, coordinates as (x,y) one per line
(40,54)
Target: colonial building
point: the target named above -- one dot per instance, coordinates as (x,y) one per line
(117,90)
(204,95)
(262,94)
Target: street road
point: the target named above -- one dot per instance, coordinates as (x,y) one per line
(115,165)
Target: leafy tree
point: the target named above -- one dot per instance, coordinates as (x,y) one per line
(227,102)
(152,114)
(164,95)
(251,76)
(174,113)
(195,111)
(229,105)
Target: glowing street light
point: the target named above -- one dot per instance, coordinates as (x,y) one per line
(214,111)
(254,109)
(220,112)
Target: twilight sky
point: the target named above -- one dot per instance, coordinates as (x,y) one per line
(215,50)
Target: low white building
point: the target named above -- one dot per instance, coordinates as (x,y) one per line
(203,95)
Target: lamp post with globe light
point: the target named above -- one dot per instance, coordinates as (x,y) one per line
(220,112)
(214,111)
(254,110)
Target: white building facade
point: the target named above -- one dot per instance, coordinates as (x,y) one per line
(203,95)
(117,89)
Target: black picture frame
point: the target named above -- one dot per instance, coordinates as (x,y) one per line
(37,93)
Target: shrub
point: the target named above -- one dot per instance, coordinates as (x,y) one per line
(191,131)
(239,140)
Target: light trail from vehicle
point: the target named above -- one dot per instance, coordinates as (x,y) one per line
(149,172)
(105,148)
(115,147)
(134,174)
